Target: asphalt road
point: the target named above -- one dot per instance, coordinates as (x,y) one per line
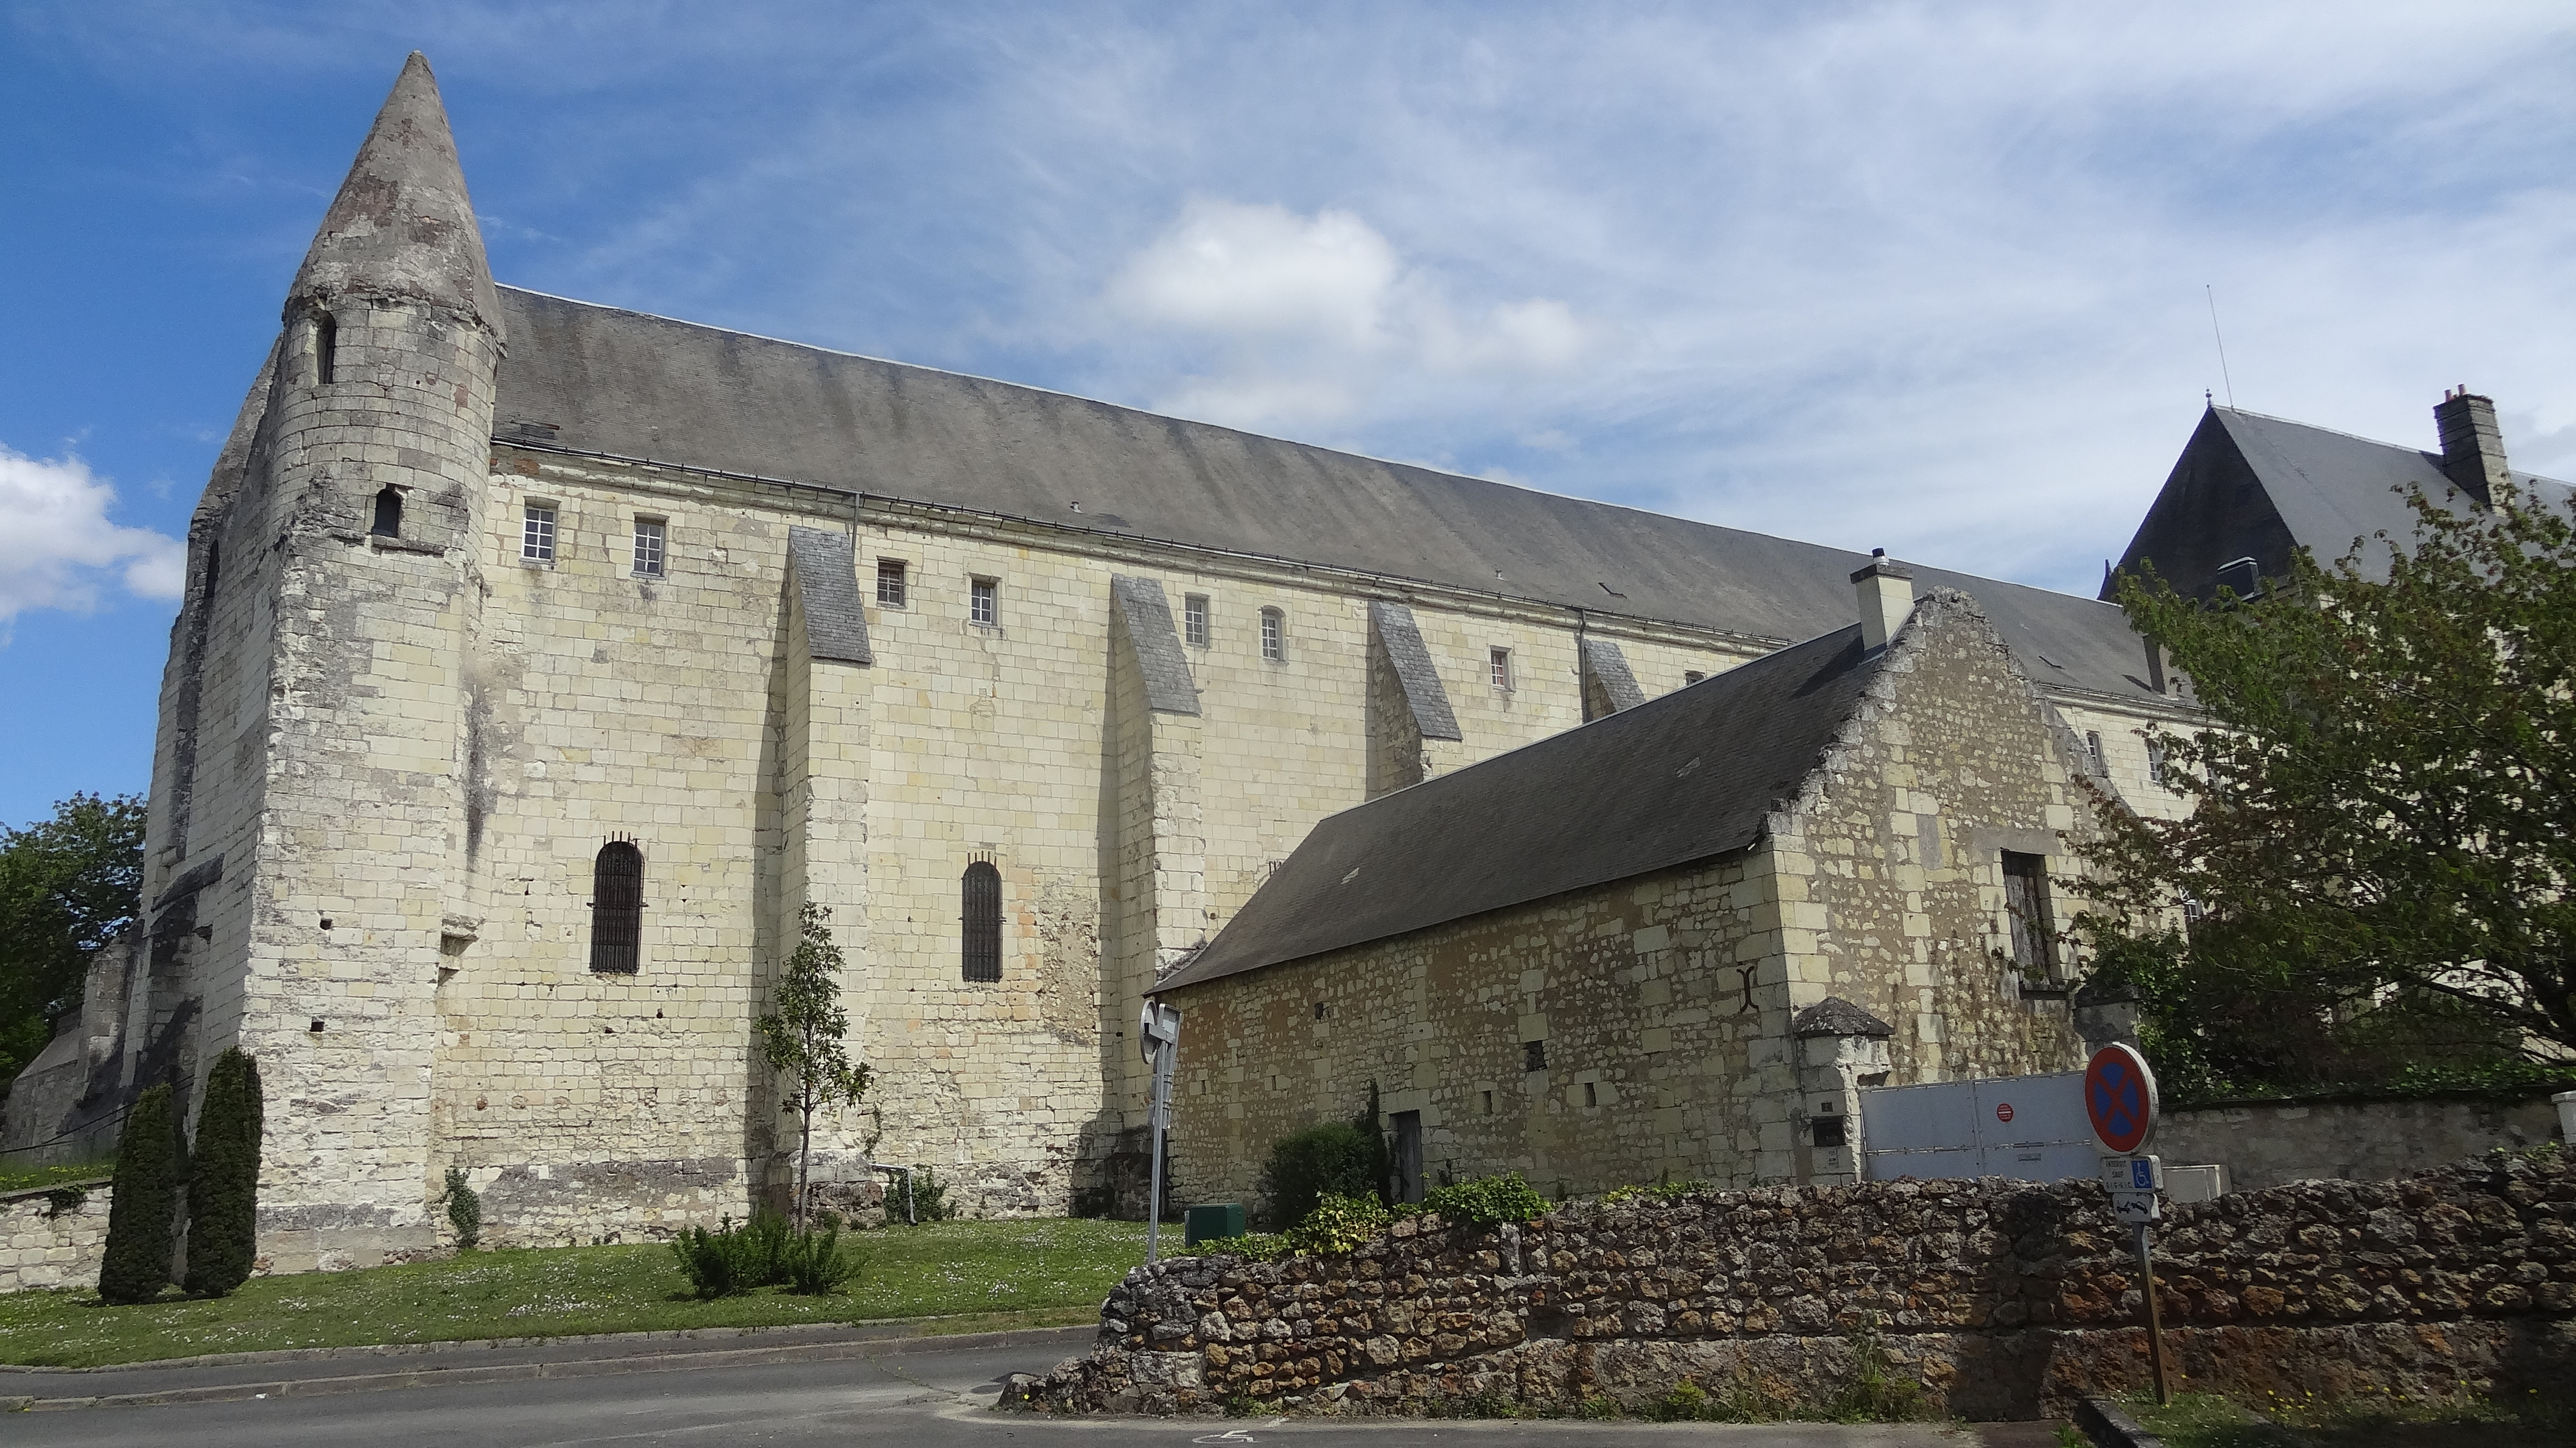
(932,1399)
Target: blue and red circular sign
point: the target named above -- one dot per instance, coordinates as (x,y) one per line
(2120,1099)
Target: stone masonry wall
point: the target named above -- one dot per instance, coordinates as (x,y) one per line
(2267,1143)
(43,1245)
(2004,1299)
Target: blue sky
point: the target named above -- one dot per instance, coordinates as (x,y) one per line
(1925,277)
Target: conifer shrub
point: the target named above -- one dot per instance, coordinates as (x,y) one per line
(223,1183)
(930,1197)
(149,1168)
(734,1259)
(816,1261)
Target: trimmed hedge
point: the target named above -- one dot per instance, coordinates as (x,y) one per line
(223,1184)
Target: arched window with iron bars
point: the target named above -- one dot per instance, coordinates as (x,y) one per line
(982,919)
(617,908)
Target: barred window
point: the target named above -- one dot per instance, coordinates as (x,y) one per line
(616,908)
(1499,663)
(984,604)
(650,535)
(2093,753)
(1194,619)
(537,534)
(1274,635)
(890,592)
(982,919)
(2156,763)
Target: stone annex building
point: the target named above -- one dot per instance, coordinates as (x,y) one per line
(539,660)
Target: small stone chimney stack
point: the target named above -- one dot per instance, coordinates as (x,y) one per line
(1886,599)
(2472,448)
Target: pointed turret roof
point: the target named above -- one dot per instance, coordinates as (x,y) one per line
(402,228)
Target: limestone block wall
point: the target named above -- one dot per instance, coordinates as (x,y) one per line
(2268,1143)
(2002,1299)
(46,1244)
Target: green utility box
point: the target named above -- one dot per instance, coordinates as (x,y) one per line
(1212,1221)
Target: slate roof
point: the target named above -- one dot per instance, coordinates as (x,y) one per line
(2252,486)
(632,385)
(1834,1016)
(1683,777)
(827,584)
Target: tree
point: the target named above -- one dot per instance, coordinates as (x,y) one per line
(802,1037)
(68,885)
(2381,826)
(223,1180)
(149,1165)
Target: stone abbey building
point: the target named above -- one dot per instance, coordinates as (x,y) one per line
(539,660)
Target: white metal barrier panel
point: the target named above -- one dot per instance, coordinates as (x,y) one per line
(2029,1127)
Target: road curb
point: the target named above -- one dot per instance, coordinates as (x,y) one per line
(2110,1426)
(429,1377)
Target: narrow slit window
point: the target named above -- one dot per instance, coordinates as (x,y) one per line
(537,534)
(2093,752)
(2034,935)
(616,908)
(983,922)
(1274,635)
(1533,1055)
(890,592)
(984,603)
(1194,619)
(651,537)
(2155,764)
(1499,664)
(214,566)
(388,520)
(326,349)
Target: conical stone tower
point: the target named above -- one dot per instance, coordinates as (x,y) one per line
(316,813)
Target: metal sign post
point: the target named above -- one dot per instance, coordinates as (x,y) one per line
(1158,1032)
(2120,1101)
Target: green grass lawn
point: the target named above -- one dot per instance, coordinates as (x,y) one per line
(986,1275)
(21,1179)
(2206,1420)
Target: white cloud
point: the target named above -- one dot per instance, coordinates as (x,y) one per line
(1304,313)
(57,546)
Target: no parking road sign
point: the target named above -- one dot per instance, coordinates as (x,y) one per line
(2120,1099)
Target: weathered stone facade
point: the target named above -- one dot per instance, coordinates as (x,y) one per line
(54,1237)
(2269,1143)
(2003,1299)
(391,752)
(1643,1029)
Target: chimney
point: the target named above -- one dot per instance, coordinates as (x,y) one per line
(1886,599)
(2472,448)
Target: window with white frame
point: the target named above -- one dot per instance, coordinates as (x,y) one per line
(651,534)
(537,534)
(1498,664)
(1194,619)
(890,592)
(1274,635)
(984,603)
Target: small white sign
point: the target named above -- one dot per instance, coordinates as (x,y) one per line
(2136,1209)
(2133,1173)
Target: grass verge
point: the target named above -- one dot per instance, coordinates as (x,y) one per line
(34,1178)
(2206,1420)
(986,1276)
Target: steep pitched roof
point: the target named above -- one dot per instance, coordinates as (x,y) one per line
(1683,777)
(625,383)
(2252,486)
(402,228)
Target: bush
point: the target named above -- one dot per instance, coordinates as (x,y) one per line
(464,1209)
(929,1197)
(1487,1201)
(1339,1224)
(734,1259)
(1336,1158)
(149,1165)
(223,1187)
(816,1262)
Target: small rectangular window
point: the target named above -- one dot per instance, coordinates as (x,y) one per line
(1533,1055)
(1274,640)
(1194,619)
(650,534)
(1829,1131)
(537,534)
(984,604)
(1499,664)
(890,583)
(2093,752)
(2034,934)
